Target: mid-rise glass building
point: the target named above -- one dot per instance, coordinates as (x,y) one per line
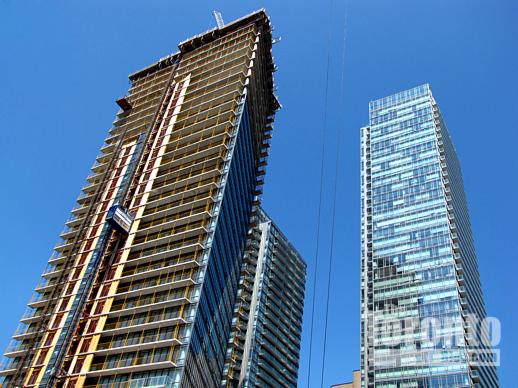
(421,298)
(264,346)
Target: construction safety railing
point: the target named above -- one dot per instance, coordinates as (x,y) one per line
(142,357)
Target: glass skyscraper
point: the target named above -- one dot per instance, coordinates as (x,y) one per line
(140,291)
(421,300)
(264,346)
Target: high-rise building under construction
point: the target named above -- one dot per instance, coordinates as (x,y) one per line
(140,291)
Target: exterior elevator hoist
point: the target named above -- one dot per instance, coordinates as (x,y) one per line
(118,219)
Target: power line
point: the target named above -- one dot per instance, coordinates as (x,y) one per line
(333,223)
(324,126)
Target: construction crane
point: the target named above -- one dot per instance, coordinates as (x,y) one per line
(219,19)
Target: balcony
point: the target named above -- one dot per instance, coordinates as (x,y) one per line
(51,270)
(108,148)
(8,365)
(56,258)
(37,300)
(62,245)
(176,239)
(102,158)
(128,290)
(184,215)
(98,370)
(114,328)
(261,170)
(98,166)
(108,348)
(91,187)
(30,315)
(72,221)
(154,270)
(45,286)
(243,314)
(24,331)
(148,382)
(165,196)
(15,349)
(135,309)
(84,197)
(166,251)
(68,233)
(79,211)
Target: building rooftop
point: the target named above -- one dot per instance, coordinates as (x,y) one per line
(192,43)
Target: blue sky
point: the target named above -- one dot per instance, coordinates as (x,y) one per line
(65,62)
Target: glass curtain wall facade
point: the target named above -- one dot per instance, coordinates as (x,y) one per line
(140,292)
(419,270)
(264,346)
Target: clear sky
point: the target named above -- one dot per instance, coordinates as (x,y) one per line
(63,63)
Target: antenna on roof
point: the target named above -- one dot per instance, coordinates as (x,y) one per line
(219,19)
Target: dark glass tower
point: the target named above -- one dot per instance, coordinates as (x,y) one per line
(264,346)
(422,303)
(140,291)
